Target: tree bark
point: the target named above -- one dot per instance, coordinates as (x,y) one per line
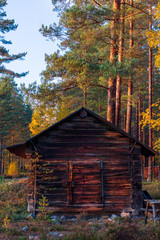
(120,58)
(139,115)
(99,101)
(84,99)
(130,80)
(137,121)
(1,157)
(113,54)
(150,164)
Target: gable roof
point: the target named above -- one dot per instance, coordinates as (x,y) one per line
(19,149)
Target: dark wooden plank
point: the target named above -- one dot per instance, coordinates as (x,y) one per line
(118,186)
(86,171)
(81,151)
(88,119)
(82,124)
(75,208)
(113,172)
(86,199)
(116,207)
(97,208)
(86,139)
(77,132)
(118,192)
(83,188)
(81,127)
(50,145)
(111,168)
(86,157)
(53,178)
(86,193)
(51,190)
(79,155)
(86,178)
(54,197)
(118,199)
(118,179)
(87,132)
(89,164)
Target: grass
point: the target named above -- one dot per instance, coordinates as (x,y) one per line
(14,217)
(153,188)
(13,199)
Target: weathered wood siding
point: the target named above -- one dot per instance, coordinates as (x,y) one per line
(135,158)
(91,167)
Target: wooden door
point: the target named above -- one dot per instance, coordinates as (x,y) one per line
(85,183)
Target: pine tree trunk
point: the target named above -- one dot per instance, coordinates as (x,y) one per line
(140,105)
(136,122)
(143,157)
(130,80)
(139,115)
(113,54)
(150,98)
(1,156)
(99,101)
(84,99)
(120,58)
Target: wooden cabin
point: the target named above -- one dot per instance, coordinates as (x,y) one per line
(85,164)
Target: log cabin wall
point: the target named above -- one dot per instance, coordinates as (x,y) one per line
(30,185)
(85,165)
(135,158)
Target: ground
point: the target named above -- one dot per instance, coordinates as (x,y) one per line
(15,222)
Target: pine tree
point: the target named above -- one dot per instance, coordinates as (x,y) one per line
(5,57)
(15,116)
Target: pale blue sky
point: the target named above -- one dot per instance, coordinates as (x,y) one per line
(30,15)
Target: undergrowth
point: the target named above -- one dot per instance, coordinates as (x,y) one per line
(14,219)
(13,197)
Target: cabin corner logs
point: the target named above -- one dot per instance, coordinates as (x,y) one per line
(85,164)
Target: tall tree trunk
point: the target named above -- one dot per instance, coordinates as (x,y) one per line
(140,137)
(99,101)
(1,156)
(130,80)
(136,122)
(143,157)
(120,58)
(139,115)
(113,54)
(84,99)
(150,97)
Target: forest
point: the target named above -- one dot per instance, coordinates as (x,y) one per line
(108,61)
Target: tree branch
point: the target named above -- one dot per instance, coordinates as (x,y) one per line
(92,85)
(99,85)
(142,10)
(96,3)
(68,88)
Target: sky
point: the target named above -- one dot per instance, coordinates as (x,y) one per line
(30,15)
